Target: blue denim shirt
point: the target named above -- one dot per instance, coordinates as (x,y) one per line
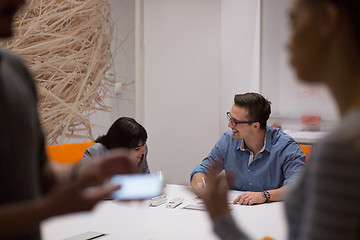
(281,160)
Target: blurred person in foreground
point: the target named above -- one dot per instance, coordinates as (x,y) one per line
(324,203)
(30,189)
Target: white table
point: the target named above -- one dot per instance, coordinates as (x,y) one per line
(137,220)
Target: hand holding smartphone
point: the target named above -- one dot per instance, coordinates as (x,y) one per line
(137,186)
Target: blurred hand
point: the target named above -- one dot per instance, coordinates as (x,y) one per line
(249,198)
(75,196)
(118,161)
(214,194)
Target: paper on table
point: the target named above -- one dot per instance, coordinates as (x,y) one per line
(195,206)
(198,206)
(232,194)
(86,236)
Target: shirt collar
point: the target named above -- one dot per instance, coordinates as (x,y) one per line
(241,145)
(267,142)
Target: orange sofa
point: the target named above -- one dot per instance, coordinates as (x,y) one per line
(70,153)
(307,150)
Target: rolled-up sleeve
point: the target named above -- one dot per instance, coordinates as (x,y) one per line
(216,154)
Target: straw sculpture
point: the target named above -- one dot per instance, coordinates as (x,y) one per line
(66,43)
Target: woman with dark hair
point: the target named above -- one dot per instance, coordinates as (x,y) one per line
(123,133)
(324,203)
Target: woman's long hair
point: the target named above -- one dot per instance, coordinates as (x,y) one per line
(124,132)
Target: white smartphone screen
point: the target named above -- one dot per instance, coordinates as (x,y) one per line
(137,186)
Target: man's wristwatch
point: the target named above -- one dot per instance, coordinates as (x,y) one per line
(266,194)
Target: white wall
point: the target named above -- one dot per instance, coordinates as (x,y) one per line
(197,55)
(290,98)
(240,52)
(181,83)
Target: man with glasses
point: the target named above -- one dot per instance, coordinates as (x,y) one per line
(258,159)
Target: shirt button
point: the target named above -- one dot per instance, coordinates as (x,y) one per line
(250,184)
(249,170)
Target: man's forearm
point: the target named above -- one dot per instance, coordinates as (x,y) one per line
(277,194)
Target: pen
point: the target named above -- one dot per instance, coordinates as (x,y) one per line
(203,179)
(101,235)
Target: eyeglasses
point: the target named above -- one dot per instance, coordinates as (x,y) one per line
(235,122)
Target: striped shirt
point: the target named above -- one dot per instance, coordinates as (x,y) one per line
(325,203)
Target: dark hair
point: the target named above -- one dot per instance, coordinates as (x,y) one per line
(259,108)
(124,132)
(350,9)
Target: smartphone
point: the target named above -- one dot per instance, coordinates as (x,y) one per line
(137,186)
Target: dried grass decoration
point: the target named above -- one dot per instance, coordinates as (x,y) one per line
(66,43)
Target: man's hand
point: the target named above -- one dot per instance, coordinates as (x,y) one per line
(249,198)
(75,196)
(198,183)
(214,194)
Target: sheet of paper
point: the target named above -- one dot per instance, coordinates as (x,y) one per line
(199,206)
(87,236)
(196,207)
(231,196)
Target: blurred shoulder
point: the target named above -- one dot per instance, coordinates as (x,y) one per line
(349,130)
(10,58)
(97,147)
